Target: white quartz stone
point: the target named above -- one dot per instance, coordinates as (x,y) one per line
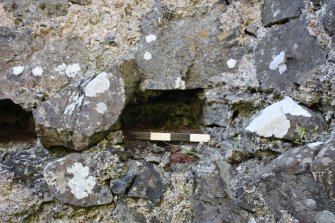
(272,121)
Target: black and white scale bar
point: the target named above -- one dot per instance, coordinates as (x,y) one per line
(161,136)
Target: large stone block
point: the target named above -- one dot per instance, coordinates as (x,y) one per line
(83,113)
(283,59)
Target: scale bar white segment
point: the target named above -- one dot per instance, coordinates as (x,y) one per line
(158,136)
(199,137)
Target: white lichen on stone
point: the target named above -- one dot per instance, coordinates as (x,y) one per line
(81,184)
(272,121)
(18,70)
(101,108)
(98,85)
(278,62)
(231,63)
(147,55)
(314,144)
(179,84)
(76,100)
(53,178)
(72,70)
(37,71)
(150,38)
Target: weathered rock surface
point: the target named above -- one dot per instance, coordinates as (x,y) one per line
(323,168)
(288,184)
(282,58)
(148,182)
(281,11)
(188,54)
(209,183)
(80,179)
(83,113)
(286,119)
(206,65)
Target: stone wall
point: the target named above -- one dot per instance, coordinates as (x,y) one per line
(257,75)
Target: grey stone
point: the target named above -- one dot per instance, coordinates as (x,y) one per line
(293,162)
(120,186)
(325,217)
(148,182)
(300,195)
(282,58)
(125,215)
(287,184)
(323,168)
(225,212)
(188,54)
(286,119)
(209,184)
(80,179)
(216,114)
(83,113)
(328,19)
(276,11)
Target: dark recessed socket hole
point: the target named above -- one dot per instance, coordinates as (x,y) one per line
(173,110)
(16,124)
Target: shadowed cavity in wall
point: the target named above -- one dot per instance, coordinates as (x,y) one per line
(168,110)
(16,124)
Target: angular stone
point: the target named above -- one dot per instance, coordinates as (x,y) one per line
(276,11)
(237,155)
(286,119)
(226,212)
(80,179)
(300,195)
(323,168)
(282,58)
(295,161)
(120,186)
(148,182)
(188,54)
(209,184)
(83,113)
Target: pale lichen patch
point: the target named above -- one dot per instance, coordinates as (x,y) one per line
(98,85)
(147,55)
(150,38)
(231,63)
(37,71)
(18,70)
(101,108)
(81,184)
